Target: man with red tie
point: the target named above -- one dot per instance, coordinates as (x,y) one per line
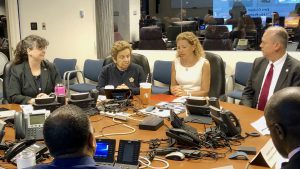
(282,118)
(272,72)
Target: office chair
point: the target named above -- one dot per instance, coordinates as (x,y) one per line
(217,73)
(240,78)
(162,74)
(64,65)
(217,38)
(91,71)
(137,59)
(151,39)
(6,77)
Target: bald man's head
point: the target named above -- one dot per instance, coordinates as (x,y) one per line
(282,115)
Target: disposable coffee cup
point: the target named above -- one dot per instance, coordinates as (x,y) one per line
(26,159)
(145,92)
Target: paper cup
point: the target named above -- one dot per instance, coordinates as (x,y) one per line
(145,92)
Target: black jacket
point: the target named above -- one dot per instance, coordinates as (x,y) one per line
(132,77)
(22,86)
(289,76)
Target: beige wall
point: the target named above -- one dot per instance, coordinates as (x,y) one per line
(70,36)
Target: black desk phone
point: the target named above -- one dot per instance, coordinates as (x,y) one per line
(226,121)
(183,133)
(12,153)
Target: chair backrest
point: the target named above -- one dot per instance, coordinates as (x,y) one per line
(92,69)
(137,59)
(162,71)
(6,77)
(217,38)
(64,65)
(217,73)
(151,38)
(242,72)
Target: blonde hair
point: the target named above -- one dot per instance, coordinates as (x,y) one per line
(193,40)
(119,46)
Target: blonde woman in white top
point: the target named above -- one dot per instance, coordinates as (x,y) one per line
(190,70)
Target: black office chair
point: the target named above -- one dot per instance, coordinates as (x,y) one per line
(217,38)
(217,73)
(137,59)
(6,77)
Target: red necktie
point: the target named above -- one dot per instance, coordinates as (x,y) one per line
(265,90)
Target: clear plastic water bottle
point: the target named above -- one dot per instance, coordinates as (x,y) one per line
(26,159)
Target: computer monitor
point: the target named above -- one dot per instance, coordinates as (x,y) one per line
(229,27)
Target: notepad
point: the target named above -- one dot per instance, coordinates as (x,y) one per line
(7,113)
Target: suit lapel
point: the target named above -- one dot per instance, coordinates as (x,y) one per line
(44,76)
(29,76)
(260,74)
(283,74)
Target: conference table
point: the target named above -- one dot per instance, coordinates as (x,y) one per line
(246,116)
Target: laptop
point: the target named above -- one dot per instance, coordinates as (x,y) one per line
(118,94)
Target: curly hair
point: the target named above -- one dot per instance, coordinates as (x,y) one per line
(119,46)
(29,42)
(193,40)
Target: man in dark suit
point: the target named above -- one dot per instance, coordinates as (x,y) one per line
(69,137)
(275,71)
(282,117)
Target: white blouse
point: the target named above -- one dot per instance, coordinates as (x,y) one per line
(189,77)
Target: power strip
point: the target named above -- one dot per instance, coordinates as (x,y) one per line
(119,115)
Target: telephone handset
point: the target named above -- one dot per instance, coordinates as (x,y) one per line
(184,137)
(226,121)
(17,148)
(233,126)
(38,148)
(29,124)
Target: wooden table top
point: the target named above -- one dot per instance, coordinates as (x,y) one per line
(246,116)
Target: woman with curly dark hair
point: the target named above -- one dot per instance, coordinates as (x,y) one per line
(31,75)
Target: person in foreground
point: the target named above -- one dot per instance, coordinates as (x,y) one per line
(69,137)
(122,74)
(31,75)
(190,70)
(282,115)
(272,72)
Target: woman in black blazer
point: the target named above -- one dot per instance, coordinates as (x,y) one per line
(31,75)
